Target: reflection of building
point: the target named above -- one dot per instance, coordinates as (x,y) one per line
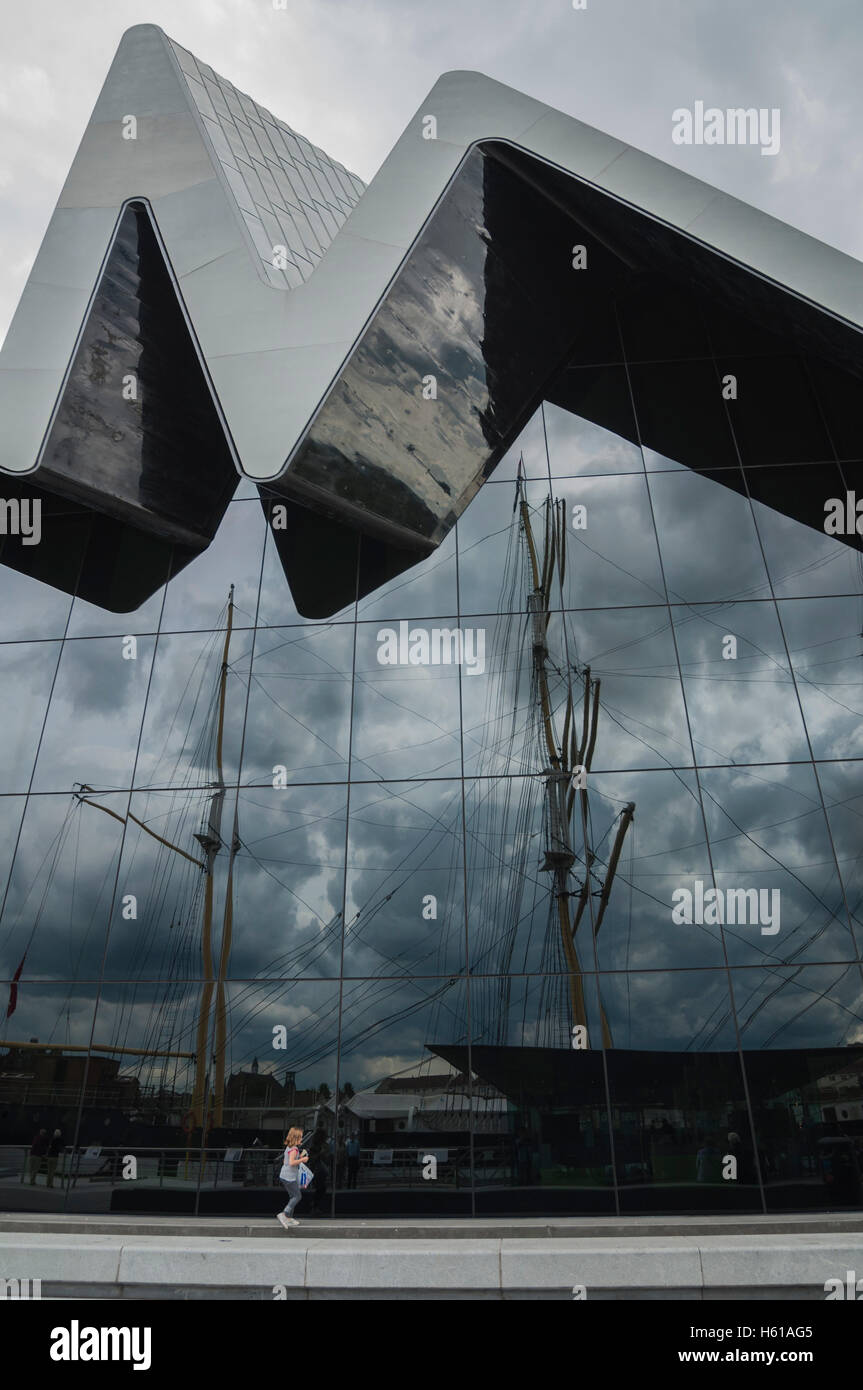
(52,1077)
(425,1104)
(49,1084)
(841,1095)
(269,868)
(254,1101)
(257,1101)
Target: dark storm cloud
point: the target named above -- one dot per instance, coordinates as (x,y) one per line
(350,77)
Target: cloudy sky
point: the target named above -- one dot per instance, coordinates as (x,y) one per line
(350,75)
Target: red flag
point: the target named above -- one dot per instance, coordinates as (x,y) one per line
(13,991)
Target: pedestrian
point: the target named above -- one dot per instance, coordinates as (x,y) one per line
(52,1157)
(352,1150)
(37,1153)
(708,1161)
(522,1157)
(258,1164)
(745,1166)
(289,1177)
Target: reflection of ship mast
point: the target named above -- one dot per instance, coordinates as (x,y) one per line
(569,758)
(211,842)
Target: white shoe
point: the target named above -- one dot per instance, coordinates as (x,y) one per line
(284,1220)
(292,1221)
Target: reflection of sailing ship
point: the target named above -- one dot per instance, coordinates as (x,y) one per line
(570,758)
(184,885)
(211,842)
(182,1066)
(187,895)
(555,1088)
(193,909)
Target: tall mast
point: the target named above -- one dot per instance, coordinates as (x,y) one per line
(221,1009)
(574,752)
(559,857)
(211,842)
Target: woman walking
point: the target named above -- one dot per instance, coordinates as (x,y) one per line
(290,1176)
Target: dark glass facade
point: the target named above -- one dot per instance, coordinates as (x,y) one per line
(388,855)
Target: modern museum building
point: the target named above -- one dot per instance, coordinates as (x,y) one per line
(431,620)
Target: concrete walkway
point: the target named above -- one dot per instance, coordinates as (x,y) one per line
(435,1228)
(690,1258)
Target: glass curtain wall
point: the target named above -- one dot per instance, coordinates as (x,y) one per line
(530,882)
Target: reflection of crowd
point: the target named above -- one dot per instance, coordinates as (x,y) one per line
(47,1149)
(318,1147)
(712,1150)
(352,1153)
(331,1159)
(711,1160)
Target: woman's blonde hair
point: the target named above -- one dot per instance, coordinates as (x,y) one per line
(294,1137)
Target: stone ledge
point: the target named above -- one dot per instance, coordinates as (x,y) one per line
(599,1263)
(614,1228)
(685,1267)
(391,1264)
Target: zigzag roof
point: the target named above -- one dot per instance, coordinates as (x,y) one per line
(319,309)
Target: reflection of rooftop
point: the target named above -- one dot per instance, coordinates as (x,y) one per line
(400,1085)
(52,1075)
(558,1077)
(437,1095)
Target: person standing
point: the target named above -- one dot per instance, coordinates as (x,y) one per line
(352,1150)
(318,1164)
(708,1162)
(289,1176)
(52,1157)
(37,1152)
(738,1150)
(341,1156)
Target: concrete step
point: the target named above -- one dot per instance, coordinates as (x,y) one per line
(289,1266)
(431,1228)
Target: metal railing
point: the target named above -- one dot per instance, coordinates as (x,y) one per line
(257,1167)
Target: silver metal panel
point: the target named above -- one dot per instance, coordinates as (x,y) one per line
(232,309)
(782,253)
(184,175)
(197,225)
(469,109)
(109,169)
(387,212)
(656,187)
(26,402)
(139,81)
(243,139)
(73,247)
(275,341)
(36,339)
(470,106)
(263,376)
(569,142)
